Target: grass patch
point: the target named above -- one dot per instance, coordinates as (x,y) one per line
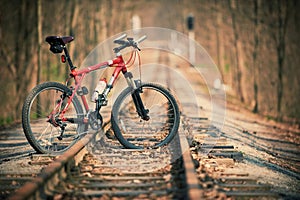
(4,121)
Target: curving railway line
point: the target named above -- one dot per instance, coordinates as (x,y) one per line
(202,162)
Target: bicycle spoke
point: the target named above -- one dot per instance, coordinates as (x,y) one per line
(142,133)
(41,122)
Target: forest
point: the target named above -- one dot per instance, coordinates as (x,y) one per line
(254,43)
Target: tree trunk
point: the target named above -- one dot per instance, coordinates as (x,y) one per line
(39,59)
(39,39)
(281,31)
(73,20)
(237,74)
(219,39)
(254,55)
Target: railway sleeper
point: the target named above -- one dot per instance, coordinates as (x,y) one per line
(256,194)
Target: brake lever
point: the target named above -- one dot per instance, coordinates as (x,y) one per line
(133,43)
(137,48)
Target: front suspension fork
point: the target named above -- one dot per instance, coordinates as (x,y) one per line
(136,90)
(140,108)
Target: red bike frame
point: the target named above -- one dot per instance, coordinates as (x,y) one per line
(57,45)
(79,75)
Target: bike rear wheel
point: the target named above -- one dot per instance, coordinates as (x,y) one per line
(41,118)
(136,133)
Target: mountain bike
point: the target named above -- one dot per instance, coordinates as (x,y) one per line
(55,116)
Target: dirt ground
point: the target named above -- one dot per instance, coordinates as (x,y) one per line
(271,149)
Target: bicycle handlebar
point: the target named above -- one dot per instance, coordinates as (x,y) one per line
(121,37)
(128,43)
(141,39)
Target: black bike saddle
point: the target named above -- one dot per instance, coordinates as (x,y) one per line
(58,42)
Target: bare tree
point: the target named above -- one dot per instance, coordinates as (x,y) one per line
(279,13)
(18,52)
(39,39)
(219,37)
(255,54)
(233,5)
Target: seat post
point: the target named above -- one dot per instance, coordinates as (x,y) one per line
(68,58)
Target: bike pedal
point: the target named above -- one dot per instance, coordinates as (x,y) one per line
(59,138)
(110,135)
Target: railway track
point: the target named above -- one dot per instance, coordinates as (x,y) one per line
(201,163)
(104,168)
(18,164)
(207,170)
(216,165)
(114,172)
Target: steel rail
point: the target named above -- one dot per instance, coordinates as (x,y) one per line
(54,172)
(193,190)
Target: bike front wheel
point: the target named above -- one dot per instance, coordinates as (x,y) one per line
(41,118)
(136,133)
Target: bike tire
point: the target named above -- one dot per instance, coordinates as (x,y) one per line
(135,133)
(40,133)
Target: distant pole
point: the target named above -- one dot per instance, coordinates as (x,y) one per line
(136,24)
(192,50)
